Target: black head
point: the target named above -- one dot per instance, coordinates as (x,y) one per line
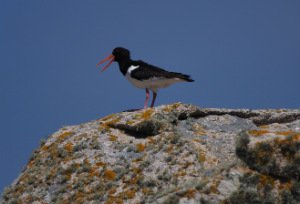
(120,53)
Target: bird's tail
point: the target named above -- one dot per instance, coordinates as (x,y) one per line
(182,76)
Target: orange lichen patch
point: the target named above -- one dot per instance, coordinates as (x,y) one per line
(200,130)
(108,117)
(170,148)
(119,201)
(137,160)
(285,185)
(264,153)
(31,163)
(264,179)
(112,191)
(146,191)
(199,133)
(197,140)
(28,198)
(168,109)
(113,199)
(62,136)
(136,170)
(189,194)
(285,133)
(45,148)
(100,163)
(80,200)
(94,172)
(257,133)
(113,138)
(147,114)
(128,194)
(131,122)
(110,175)
(296,136)
(151,140)
(26,177)
(171,107)
(68,176)
(104,126)
(141,147)
(202,157)
(183,173)
(69,146)
(86,161)
(112,123)
(65,201)
(214,188)
(291,141)
(263,126)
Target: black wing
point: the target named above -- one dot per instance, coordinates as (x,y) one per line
(147,71)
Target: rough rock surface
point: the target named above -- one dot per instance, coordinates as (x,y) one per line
(176,153)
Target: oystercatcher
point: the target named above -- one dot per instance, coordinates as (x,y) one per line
(143,75)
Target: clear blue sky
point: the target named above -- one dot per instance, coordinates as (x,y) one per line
(241,54)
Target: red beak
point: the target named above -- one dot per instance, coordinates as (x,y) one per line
(110,56)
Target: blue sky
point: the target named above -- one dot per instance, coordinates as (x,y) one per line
(241,54)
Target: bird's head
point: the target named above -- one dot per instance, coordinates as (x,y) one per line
(118,54)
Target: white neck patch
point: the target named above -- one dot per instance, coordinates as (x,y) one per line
(131,68)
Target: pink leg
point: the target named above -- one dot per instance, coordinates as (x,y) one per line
(147,98)
(153,100)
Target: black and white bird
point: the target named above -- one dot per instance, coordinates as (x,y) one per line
(143,75)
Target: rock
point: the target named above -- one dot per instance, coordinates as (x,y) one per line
(176,153)
(273,150)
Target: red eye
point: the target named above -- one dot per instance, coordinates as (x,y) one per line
(117,50)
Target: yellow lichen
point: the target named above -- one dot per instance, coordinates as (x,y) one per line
(80,200)
(183,173)
(131,122)
(214,187)
(108,117)
(188,194)
(285,133)
(257,133)
(112,191)
(62,136)
(146,115)
(202,157)
(199,129)
(129,193)
(263,127)
(264,179)
(69,146)
(197,140)
(100,164)
(110,175)
(141,147)
(113,138)
(112,122)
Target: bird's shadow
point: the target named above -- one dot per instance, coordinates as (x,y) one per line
(131,110)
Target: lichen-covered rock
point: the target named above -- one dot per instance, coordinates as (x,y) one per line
(272,149)
(176,153)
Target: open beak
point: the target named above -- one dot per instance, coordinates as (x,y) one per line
(110,56)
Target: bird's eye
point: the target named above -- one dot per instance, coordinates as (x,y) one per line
(117,50)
